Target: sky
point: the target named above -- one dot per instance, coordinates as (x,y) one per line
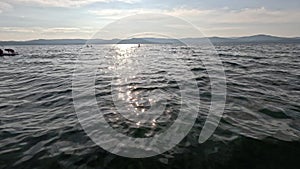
(69,19)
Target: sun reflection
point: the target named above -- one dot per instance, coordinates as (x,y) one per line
(154,122)
(124,50)
(122,55)
(136,103)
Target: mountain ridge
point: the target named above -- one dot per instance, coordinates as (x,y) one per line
(259,38)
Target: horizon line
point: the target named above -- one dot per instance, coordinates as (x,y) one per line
(276,36)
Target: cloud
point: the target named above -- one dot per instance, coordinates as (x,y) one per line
(46,30)
(246,15)
(224,21)
(67,3)
(28,33)
(224,15)
(114,14)
(213,22)
(247,21)
(5,7)
(68,30)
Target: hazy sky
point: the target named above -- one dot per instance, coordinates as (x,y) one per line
(49,19)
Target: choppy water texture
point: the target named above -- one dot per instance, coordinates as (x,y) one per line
(260,127)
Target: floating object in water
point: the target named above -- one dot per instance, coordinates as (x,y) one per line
(10,52)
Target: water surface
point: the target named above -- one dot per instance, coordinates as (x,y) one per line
(260,127)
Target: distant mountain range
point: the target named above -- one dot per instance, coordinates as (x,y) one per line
(214,40)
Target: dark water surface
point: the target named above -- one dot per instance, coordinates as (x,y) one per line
(260,127)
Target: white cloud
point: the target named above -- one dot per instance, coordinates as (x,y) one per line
(28,33)
(247,15)
(5,7)
(114,14)
(46,30)
(224,15)
(68,3)
(221,22)
(225,21)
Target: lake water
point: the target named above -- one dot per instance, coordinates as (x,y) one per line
(260,127)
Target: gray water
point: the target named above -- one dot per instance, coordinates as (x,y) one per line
(260,127)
